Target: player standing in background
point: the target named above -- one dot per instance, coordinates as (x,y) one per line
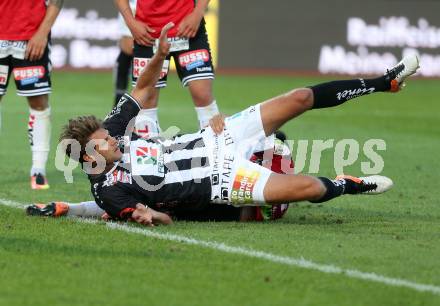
(24,52)
(189,48)
(125,58)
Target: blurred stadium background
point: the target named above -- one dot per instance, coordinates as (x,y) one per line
(295,36)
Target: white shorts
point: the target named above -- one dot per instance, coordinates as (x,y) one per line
(234,179)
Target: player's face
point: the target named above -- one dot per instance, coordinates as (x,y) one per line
(106,146)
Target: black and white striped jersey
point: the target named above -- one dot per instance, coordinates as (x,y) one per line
(168,175)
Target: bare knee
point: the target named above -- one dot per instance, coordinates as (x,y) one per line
(315,190)
(39,103)
(201,92)
(303,97)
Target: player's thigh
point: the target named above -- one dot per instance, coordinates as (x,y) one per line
(282,188)
(126,44)
(196,62)
(141,57)
(32,78)
(246,131)
(5,72)
(278,110)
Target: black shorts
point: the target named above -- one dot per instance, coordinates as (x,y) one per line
(192,64)
(32,78)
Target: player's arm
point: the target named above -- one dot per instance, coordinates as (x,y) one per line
(189,26)
(139,30)
(151,74)
(37,44)
(121,205)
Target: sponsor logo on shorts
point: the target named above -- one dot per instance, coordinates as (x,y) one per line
(140,63)
(41,84)
(176,44)
(3,74)
(226,171)
(29,75)
(215,177)
(204,69)
(243,186)
(194,59)
(14,48)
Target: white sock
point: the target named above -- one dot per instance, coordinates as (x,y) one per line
(85,209)
(205,113)
(147,123)
(39,127)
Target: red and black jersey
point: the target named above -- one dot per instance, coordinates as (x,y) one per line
(157,13)
(20,19)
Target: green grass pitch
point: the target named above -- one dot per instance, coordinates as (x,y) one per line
(63,262)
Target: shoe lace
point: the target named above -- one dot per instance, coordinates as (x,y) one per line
(39,179)
(47,210)
(367,187)
(395,72)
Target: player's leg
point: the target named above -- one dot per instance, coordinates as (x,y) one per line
(281,188)
(122,67)
(5,72)
(88,209)
(195,69)
(275,112)
(205,104)
(39,130)
(1,113)
(248,184)
(32,79)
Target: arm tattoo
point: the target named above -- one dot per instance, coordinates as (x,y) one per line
(57,3)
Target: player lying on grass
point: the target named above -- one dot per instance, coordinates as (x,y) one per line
(205,168)
(281,162)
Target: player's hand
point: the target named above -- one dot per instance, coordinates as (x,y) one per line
(164,45)
(143,215)
(35,47)
(161,218)
(217,123)
(189,26)
(141,33)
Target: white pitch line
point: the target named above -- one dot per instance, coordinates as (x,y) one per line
(290,261)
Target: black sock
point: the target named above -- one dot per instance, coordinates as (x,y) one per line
(337,92)
(122,71)
(336,188)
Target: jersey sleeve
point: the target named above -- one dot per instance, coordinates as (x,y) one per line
(120,120)
(116,202)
